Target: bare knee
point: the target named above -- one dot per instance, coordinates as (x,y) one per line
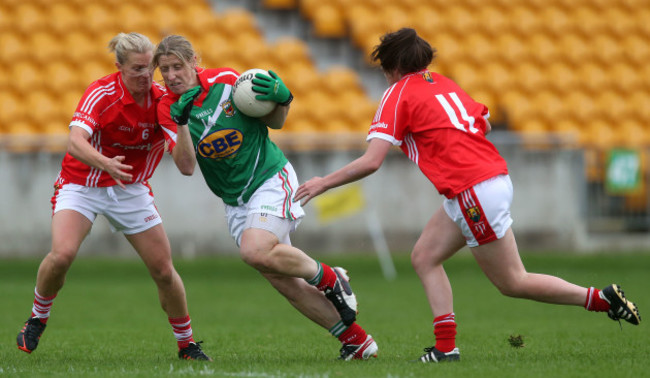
(423,259)
(258,258)
(162,274)
(60,259)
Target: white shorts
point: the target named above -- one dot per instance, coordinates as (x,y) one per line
(270,208)
(130,211)
(483,211)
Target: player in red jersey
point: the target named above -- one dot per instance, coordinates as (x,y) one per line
(114,146)
(440,128)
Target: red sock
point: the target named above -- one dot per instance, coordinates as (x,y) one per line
(41,307)
(444,328)
(594,302)
(182,331)
(353,335)
(328,278)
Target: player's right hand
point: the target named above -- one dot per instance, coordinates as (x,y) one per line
(116,169)
(180,110)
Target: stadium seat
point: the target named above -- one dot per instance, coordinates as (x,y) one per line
(494,20)
(562,77)
(44,47)
(280,4)
(203,19)
(575,49)
(338,80)
(525,21)
(14,48)
(328,22)
(79,46)
(103,19)
(31,19)
(293,50)
(62,77)
(530,78)
(512,49)
(236,21)
(636,49)
(65,18)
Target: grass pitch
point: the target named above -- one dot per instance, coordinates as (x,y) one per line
(107,322)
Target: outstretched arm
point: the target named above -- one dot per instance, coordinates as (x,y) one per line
(365,165)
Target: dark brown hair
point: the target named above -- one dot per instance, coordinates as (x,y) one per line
(403,50)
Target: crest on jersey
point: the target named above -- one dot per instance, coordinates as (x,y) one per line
(426,75)
(474,214)
(228,108)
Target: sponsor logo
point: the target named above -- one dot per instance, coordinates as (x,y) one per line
(146,125)
(228,108)
(151,217)
(85,117)
(474,214)
(125,128)
(141,147)
(380,125)
(205,112)
(269,208)
(221,144)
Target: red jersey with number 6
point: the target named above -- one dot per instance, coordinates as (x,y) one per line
(441,129)
(118,126)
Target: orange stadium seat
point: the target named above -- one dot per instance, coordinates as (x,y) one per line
(167,19)
(544,48)
(562,77)
(12,110)
(301,78)
(134,19)
(525,20)
(28,76)
(257,53)
(202,17)
(79,46)
(512,49)
(494,21)
(530,77)
(575,49)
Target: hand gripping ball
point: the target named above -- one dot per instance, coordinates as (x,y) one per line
(244,96)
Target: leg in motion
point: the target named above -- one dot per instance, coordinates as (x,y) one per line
(69,228)
(153,247)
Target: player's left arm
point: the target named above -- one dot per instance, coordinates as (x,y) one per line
(363,166)
(277,117)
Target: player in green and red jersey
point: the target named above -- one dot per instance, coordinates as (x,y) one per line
(256,182)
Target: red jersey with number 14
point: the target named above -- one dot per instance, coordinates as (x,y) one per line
(441,129)
(118,126)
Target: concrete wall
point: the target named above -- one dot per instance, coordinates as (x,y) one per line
(549,188)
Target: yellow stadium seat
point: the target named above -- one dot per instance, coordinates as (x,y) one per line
(48,109)
(562,77)
(544,48)
(607,48)
(593,77)
(479,49)
(550,105)
(556,21)
(236,21)
(31,18)
(134,19)
(576,50)
(622,23)
(525,20)
(636,49)
(301,78)
(79,46)
(581,106)
(468,76)
(338,80)
(329,22)
(494,20)
(62,77)
(12,110)
(428,21)
(280,4)
(64,18)
(292,50)
(530,77)
(396,16)
(256,53)
(28,76)
(589,22)
(512,49)
(14,48)
(461,19)
(203,18)
(213,49)
(103,19)
(167,18)
(498,77)
(44,47)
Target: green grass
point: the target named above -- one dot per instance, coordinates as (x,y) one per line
(107,322)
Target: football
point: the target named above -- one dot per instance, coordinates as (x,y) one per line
(244,97)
